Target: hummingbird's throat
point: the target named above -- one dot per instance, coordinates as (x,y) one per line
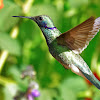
(52,28)
(50,33)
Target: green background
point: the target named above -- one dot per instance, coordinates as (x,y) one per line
(30,48)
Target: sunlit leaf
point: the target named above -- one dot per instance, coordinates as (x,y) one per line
(6,20)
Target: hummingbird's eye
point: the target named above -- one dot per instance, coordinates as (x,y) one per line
(40,18)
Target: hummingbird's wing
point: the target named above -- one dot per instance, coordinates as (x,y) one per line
(78,38)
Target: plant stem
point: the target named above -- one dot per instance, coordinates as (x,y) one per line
(4,81)
(5,53)
(3,58)
(26,6)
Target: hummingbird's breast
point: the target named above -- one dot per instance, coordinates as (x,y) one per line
(65,56)
(65,59)
(61,53)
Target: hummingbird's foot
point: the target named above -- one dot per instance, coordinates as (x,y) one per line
(75,70)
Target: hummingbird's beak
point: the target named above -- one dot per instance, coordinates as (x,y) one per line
(33,18)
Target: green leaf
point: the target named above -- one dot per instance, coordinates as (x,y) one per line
(6,20)
(71,86)
(77,3)
(42,9)
(67,94)
(1,92)
(76,84)
(9,91)
(96,96)
(8,88)
(48,94)
(9,44)
(15,74)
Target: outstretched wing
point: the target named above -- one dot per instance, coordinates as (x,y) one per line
(78,38)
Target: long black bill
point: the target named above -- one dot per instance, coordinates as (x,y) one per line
(24,17)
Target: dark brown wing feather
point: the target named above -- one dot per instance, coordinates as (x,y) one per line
(78,38)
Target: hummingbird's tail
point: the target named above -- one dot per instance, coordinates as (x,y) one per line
(85,72)
(91,78)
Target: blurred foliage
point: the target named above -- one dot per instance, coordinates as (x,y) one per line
(4,44)
(30,48)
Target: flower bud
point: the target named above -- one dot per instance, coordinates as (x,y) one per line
(35,93)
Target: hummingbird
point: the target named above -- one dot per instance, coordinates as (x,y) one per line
(66,47)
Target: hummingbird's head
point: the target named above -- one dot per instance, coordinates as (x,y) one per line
(46,25)
(42,20)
